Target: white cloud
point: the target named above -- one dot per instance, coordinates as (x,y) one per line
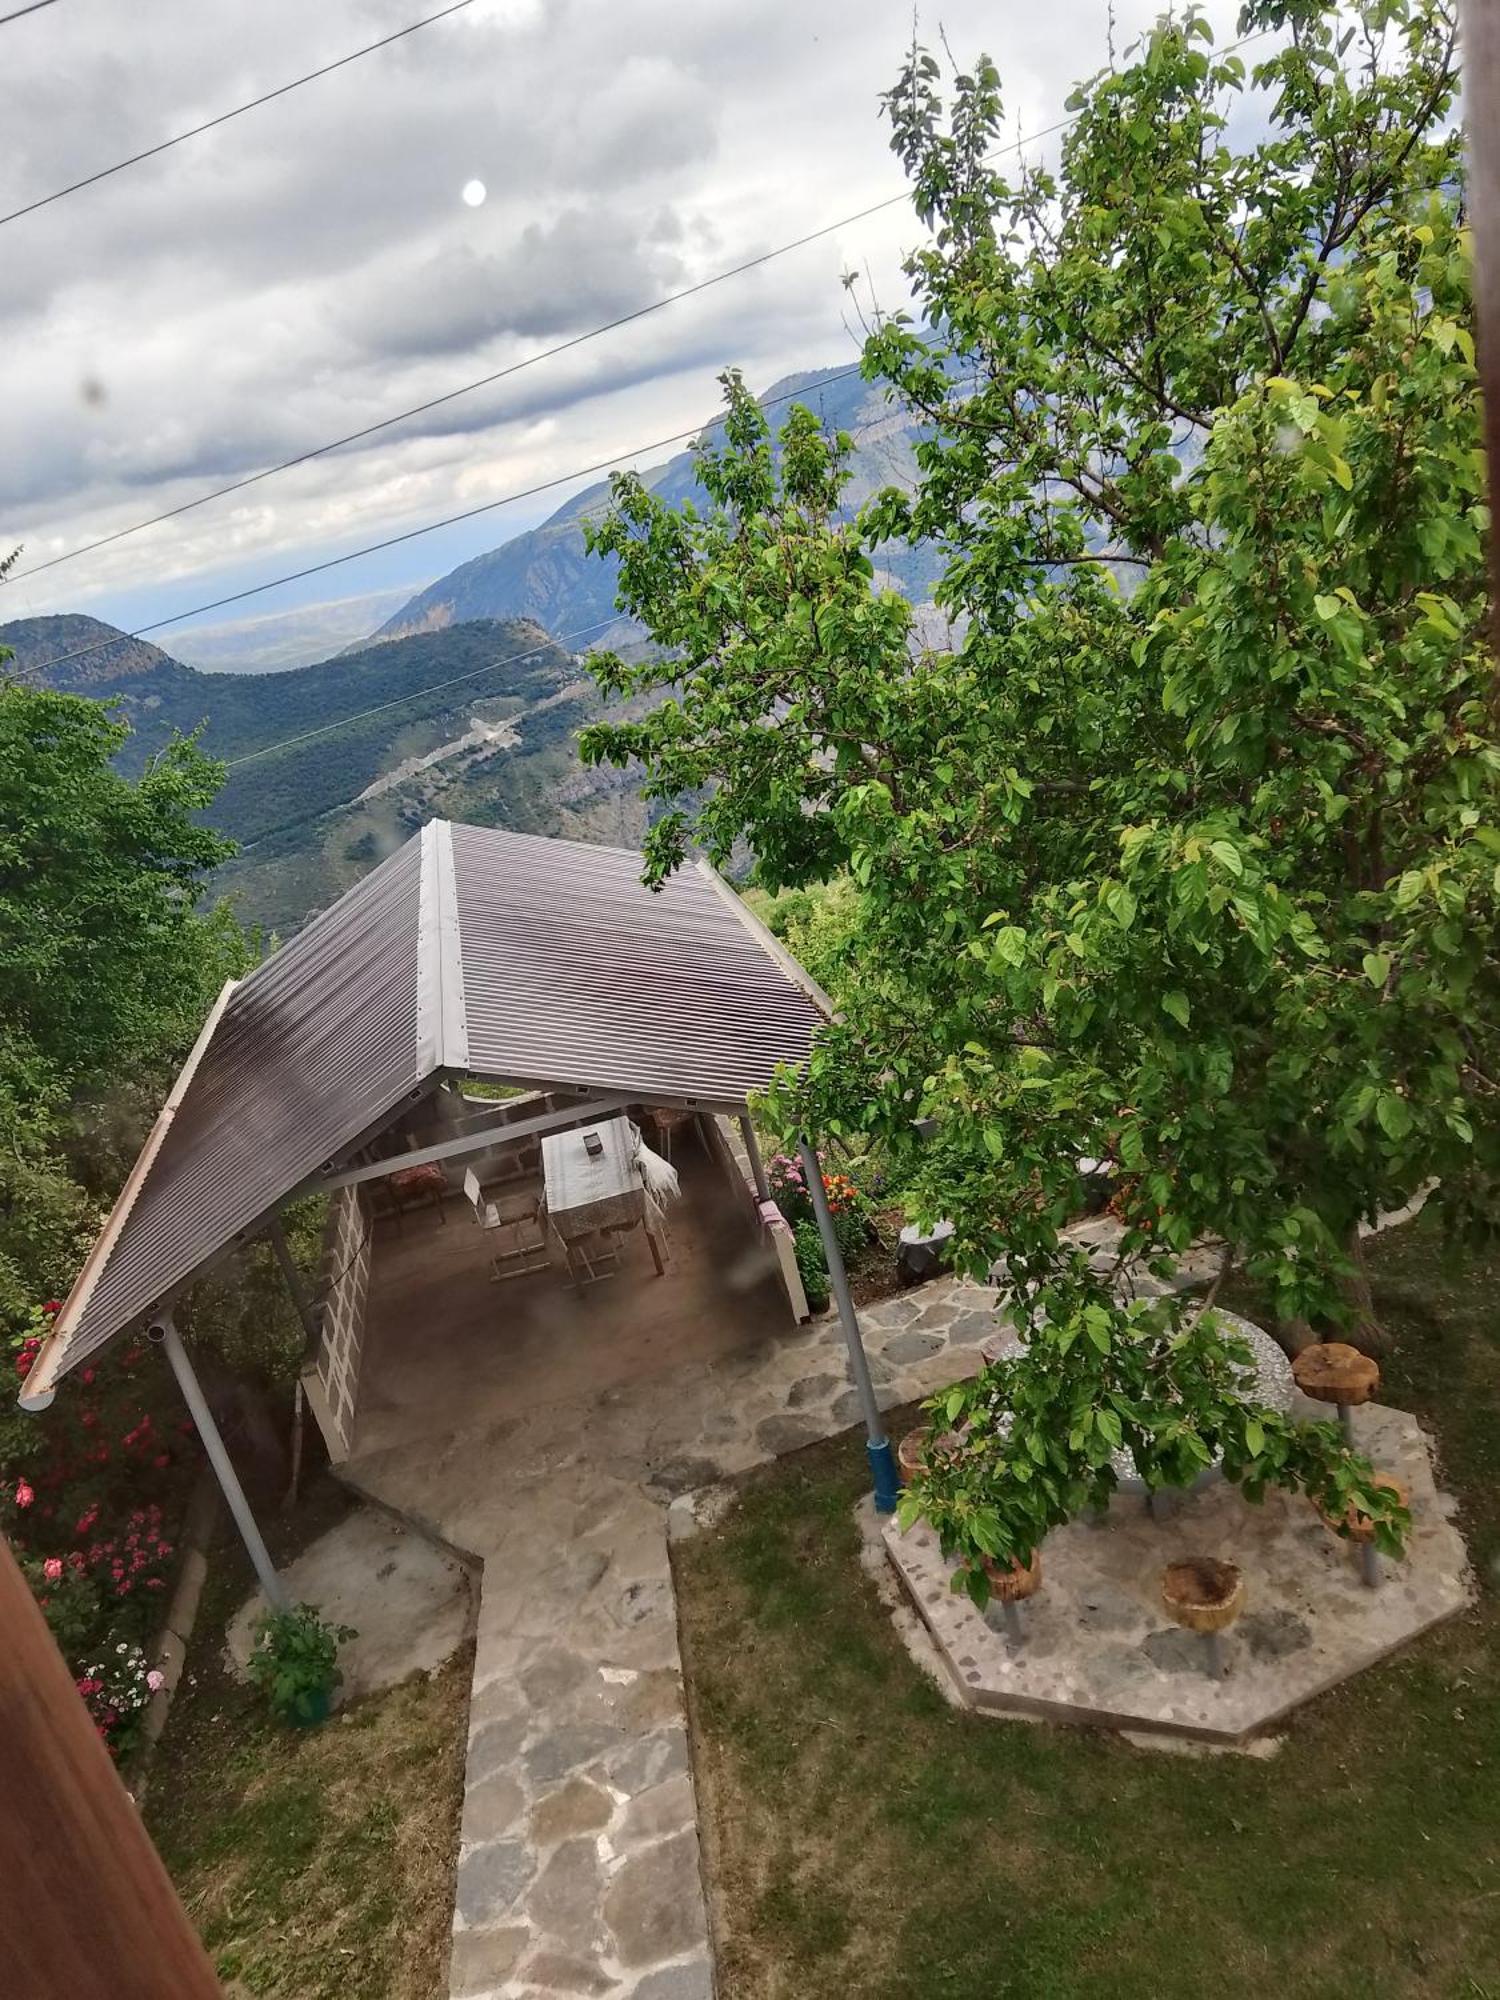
(310,268)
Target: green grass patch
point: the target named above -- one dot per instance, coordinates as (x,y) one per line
(316,1864)
(863,1836)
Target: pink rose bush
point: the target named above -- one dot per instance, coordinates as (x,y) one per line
(87,1490)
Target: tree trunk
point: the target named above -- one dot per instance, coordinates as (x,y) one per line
(1293,1335)
(1364,1331)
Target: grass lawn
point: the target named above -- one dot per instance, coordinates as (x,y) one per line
(315,1864)
(863,1837)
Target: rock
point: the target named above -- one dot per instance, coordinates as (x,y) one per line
(692,1980)
(682,1475)
(554,1673)
(556,1972)
(811,1389)
(971,1329)
(1273,1635)
(492,1807)
(1108,1609)
(779,1434)
(490,1878)
(652,1698)
(580,1807)
(496,1747)
(642,1600)
(849,1410)
(665,1808)
(655,1903)
(564,1898)
(483,1959)
(555,1755)
(649,1761)
(912,1346)
(1175,1651)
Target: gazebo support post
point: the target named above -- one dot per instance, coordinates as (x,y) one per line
(219,1459)
(877,1444)
(276,1235)
(757,1164)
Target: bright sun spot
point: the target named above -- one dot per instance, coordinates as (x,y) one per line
(473,193)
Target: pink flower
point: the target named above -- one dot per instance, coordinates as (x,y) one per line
(24,1494)
(52,1569)
(156,1680)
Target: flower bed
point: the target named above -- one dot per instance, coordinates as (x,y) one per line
(90,1492)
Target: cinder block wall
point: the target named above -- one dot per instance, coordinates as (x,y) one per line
(332,1382)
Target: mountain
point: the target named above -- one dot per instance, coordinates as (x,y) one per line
(331,765)
(268,642)
(547,574)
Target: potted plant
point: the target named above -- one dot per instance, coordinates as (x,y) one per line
(294,1663)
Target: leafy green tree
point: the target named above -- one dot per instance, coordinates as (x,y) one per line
(106,966)
(1185,855)
(104,955)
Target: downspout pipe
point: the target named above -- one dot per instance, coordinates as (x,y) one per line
(877,1444)
(164,1330)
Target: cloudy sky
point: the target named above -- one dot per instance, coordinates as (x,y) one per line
(313,267)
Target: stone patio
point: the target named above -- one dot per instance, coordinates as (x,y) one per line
(578,1864)
(1096,1646)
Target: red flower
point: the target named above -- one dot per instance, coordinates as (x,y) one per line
(163,1461)
(24,1494)
(52,1306)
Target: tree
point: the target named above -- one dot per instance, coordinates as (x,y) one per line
(106,962)
(1186,854)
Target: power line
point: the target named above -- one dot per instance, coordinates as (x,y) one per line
(224,117)
(430,528)
(35,8)
(468,389)
(438,687)
(532,360)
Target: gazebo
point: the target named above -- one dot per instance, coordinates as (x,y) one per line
(469,953)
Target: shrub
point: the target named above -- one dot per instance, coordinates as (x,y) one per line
(295,1662)
(810,1264)
(117,1689)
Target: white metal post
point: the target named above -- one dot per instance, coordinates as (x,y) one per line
(877,1444)
(757,1164)
(219,1459)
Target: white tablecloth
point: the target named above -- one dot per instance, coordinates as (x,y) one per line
(588,1192)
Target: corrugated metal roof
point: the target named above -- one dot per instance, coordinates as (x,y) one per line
(317,1045)
(574,973)
(471,950)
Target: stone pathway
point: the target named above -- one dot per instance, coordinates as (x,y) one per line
(578,1863)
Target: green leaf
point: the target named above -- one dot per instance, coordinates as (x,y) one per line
(1176,1004)
(1009,947)
(1393,1114)
(1377,966)
(1227,856)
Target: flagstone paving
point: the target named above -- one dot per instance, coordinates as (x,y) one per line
(578,1867)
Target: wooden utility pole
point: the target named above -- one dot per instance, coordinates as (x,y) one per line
(86,1909)
(1481,108)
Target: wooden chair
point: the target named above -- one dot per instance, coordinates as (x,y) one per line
(520,1240)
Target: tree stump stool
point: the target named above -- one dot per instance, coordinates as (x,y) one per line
(1353,1526)
(1010,1584)
(1204,1594)
(1330,1371)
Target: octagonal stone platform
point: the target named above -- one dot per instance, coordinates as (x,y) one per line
(1099,1649)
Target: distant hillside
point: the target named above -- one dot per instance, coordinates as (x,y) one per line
(548,575)
(480,717)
